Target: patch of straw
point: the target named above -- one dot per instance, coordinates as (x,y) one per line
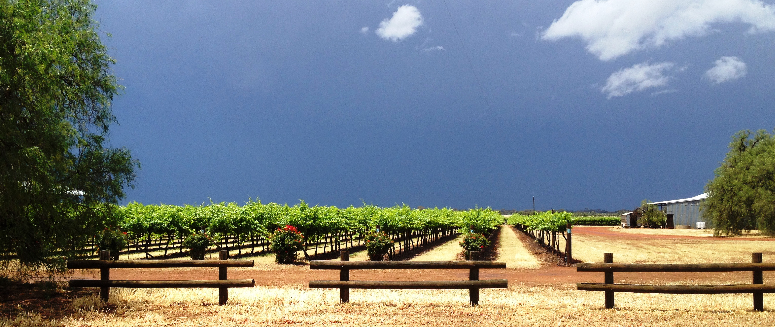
(517,306)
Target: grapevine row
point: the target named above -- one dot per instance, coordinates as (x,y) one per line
(162,227)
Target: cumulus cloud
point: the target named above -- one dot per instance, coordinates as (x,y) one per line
(364,30)
(403,24)
(637,78)
(613,28)
(726,69)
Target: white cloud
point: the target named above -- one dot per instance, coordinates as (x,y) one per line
(613,28)
(403,24)
(637,78)
(364,30)
(436,48)
(726,69)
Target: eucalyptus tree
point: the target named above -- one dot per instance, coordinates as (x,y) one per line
(58,176)
(741,197)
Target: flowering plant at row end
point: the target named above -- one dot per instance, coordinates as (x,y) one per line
(113,240)
(474,242)
(377,245)
(285,242)
(197,244)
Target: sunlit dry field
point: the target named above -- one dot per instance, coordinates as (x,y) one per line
(640,245)
(558,304)
(517,306)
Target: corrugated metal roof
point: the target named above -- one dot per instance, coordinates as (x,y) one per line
(692,199)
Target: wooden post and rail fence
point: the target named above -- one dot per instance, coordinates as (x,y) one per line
(473,284)
(105,283)
(757,287)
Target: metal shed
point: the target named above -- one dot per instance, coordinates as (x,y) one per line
(684,212)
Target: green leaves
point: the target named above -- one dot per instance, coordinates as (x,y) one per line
(545,221)
(741,197)
(57,176)
(651,217)
(480,221)
(222,219)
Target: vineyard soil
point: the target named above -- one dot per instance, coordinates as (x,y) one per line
(543,296)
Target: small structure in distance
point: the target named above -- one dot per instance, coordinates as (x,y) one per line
(681,213)
(684,213)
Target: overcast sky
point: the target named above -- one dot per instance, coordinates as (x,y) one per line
(582,104)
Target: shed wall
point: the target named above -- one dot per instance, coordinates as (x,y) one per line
(685,213)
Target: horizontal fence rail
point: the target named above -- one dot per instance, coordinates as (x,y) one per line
(105,283)
(328,264)
(678,289)
(756,288)
(415,285)
(473,284)
(699,267)
(96,264)
(163,283)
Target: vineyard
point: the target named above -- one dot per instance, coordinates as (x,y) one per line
(161,229)
(544,227)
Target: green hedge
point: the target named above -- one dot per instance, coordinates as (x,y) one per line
(597,221)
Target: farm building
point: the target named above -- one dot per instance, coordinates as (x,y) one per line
(684,212)
(630,219)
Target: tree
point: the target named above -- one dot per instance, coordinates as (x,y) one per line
(741,197)
(59,180)
(650,216)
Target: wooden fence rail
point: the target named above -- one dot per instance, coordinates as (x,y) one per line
(473,284)
(105,283)
(757,287)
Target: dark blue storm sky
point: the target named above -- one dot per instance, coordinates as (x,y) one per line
(582,104)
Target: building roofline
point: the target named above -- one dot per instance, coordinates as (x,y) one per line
(702,196)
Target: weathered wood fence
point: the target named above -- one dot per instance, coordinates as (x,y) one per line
(757,287)
(105,283)
(473,284)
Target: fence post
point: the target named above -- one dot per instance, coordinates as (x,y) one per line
(568,246)
(758,297)
(223,292)
(105,276)
(609,279)
(344,275)
(473,274)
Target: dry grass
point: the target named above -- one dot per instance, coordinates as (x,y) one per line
(520,305)
(668,232)
(590,248)
(517,306)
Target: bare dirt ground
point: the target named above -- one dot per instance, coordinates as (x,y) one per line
(538,295)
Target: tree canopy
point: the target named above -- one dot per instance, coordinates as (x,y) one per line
(58,176)
(742,195)
(650,216)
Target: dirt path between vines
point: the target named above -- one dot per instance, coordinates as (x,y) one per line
(513,252)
